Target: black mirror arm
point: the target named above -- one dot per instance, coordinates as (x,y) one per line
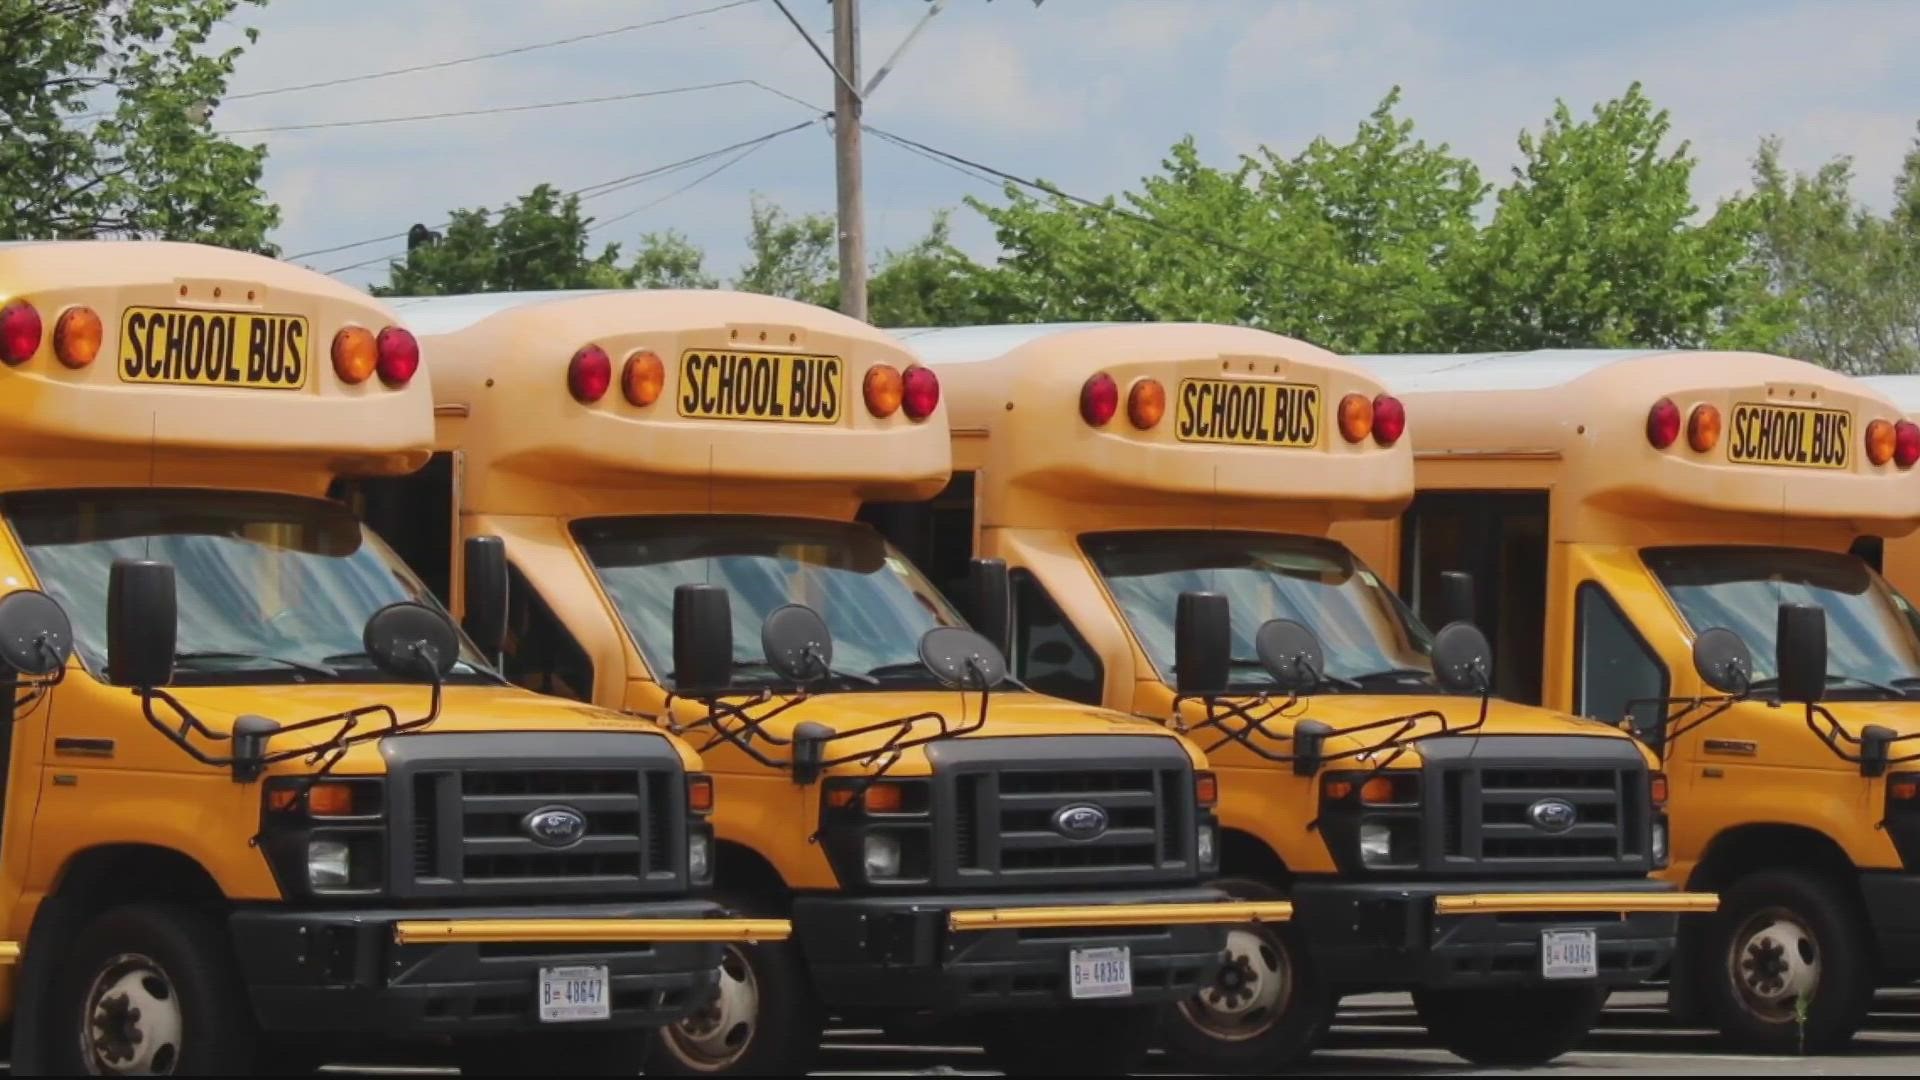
(347,735)
(1834,734)
(1219,712)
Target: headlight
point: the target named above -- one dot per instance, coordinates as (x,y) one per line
(699,856)
(329,864)
(1660,843)
(1203,845)
(1376,843)
(882,857)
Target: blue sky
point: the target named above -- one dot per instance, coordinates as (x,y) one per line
(1086,93)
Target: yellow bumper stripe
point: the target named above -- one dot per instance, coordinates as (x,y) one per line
(1621,903)
(9,952)
(587,931)
(1039,918)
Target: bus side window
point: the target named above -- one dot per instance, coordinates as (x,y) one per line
(413,514)
(1614,669)
(936,535)
(540,654)
(1048,654)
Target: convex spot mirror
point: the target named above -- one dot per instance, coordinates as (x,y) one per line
(1723,660)
(962,658)
(36,638)
(797,643)
(1291,653)
(1462,659)
(412,641)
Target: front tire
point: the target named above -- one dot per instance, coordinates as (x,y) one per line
(1510,1026)
(762,1021)
(151,990)
(1267,1009)
(1077,1041)
(1786,947)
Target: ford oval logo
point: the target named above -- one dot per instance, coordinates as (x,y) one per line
(1081,821)
(555,826)
(1553,815)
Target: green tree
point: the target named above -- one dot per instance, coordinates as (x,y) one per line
(669,260)
(794,257)
(541,242)
(1596,243)
(932,283)
(103,125)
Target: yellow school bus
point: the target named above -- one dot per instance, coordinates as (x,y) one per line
(264,804)
(1490,857)
(1671,541)
(1898,558)
(676,476)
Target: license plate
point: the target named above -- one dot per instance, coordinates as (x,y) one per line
(1790,435)
(781,387)
(1100,973)
(1569,954)
(573,993)
(183,347)
(1248,413)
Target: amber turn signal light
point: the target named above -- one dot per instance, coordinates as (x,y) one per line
(1146,403)
(700,793)
(1356,417)
(884,389)
(643,377)
(1206,788)
(323,800)
(354,354)
(1879,442)
(1703,428)
(76,336)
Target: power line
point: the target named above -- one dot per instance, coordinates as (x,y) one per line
(492,110)
(593,191)
(590,191)
(695,182)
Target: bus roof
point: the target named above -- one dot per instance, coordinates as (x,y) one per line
(212,367)
(1020,388)
(501,366)
(1791,434)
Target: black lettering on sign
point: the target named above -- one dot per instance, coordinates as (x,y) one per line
(1248,412)
(1796,436)
(778,387)
(182,347)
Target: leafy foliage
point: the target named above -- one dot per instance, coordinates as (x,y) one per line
(540,242)
(104,108)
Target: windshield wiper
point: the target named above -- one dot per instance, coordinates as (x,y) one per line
(1894,692)
(1336,680)
(310,668)
(1399,674)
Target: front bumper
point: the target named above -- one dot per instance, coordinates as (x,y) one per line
(953,954)
(1458,935)
(413,972)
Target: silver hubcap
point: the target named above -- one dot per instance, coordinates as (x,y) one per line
(1250,994)
(131,1024)
(1775,964)
(716,1036)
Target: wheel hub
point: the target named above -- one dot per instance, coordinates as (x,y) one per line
(717,1034)
(132,1023)
(1776,964)
(1250,994)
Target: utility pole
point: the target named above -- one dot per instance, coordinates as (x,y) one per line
(851,216)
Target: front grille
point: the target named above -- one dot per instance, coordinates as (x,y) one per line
(1486,817)
(465,831)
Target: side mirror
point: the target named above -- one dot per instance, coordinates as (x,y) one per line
(991,595)
(142,623)
(810,740)
(1462,659)
(486,594)
(1723,660)
(702,641)
(1457,601)
(797,644)
(1202,645)
(412,641)
(1801,652)
(1291,653)
(36,638)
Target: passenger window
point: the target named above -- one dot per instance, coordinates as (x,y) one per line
(1048,654)
(1613,667)
(540,654)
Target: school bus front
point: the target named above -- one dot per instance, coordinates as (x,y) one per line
(1683,538)
(269,807)
(1490,856)
(676,477)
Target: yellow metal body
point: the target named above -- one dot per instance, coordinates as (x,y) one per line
(1044,918)
(1043,478)
(586,931)
(531,462)
(87,772)
(1573,429)
(1600,903)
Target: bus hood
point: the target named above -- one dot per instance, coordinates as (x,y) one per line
(463,708)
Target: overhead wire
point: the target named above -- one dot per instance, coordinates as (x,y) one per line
(491,110)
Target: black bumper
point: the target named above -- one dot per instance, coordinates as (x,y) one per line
(1385,935)
(896,954)
(1893,909)
(339,971)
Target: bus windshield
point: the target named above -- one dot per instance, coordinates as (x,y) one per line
(875,603)
(269,588)
(1373,644)
(1871,647)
